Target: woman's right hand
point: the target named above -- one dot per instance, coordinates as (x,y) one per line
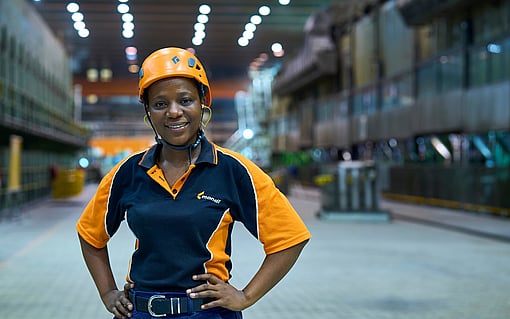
(117,302)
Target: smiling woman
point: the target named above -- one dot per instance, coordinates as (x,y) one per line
(181,198)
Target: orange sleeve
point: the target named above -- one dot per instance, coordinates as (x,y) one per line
(91,225)
(280,226)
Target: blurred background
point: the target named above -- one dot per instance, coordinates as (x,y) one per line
(418,89)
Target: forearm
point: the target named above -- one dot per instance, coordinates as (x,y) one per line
(272,270)
(98,264)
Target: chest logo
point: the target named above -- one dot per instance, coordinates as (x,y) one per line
(202,195)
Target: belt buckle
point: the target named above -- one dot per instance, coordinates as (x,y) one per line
(149,305)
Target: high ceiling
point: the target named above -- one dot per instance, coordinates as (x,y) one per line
(160,23)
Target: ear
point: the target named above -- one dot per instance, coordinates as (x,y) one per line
(209,116)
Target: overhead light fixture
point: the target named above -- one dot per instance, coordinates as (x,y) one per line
(128,34)
(123,8)
(91,99)
(131,53)
(72,7)
(202,18)
(248,35)
(78,19)
(251,26)
(83,33)
(77,16)
(277,49)
(105,75)
(204,9)
(92,75)
(127,17)
(242,41)
(264,10)
(133,68)
(256,19)
(248,134)
(128,26)
(79,25)
(199,26)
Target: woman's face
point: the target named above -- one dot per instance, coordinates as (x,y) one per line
(175,109)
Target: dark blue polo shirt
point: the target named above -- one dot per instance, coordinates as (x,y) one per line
(185,229)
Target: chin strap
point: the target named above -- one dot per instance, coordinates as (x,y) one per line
(159,140)
(182,147)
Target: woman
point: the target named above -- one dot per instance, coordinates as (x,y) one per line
(180,198)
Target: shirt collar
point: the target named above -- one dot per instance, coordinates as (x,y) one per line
(208,154)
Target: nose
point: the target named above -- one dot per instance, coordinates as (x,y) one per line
(174,110)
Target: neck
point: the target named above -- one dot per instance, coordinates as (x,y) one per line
(179,158)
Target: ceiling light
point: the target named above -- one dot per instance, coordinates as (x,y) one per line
(250,27)
(92,75)
(77,16)
(127,17)
(204,9)
(106,75)
(276,47)
(131,53)
(133,68)
(197,41)
(255,19)
(200,34)
(202,18)
(279,54)
(83,33)
(264,10)
(199,26)
(248,35)
(248,133)
(128,34)
(72,7)
(128,26)
(79,25)
(123,8)
(243,41)
(91,99)
(284,2)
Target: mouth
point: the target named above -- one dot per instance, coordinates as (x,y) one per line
(177,126)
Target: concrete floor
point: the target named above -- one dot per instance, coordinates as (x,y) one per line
(364,270)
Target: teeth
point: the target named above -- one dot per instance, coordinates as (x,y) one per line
(177,126)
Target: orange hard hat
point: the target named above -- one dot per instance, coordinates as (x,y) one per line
(172,62)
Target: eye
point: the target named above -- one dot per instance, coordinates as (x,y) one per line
(186,101)
(159,105)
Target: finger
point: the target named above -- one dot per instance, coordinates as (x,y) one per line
(126,303)
(205,277)
(117,313)
(212,304)
(128,286)
(123,305)
(201,288)
(213,279)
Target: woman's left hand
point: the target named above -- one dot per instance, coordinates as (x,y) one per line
(222,293)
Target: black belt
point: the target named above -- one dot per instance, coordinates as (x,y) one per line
(161,305)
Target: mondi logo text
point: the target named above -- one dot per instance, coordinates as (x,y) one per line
(202,195)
